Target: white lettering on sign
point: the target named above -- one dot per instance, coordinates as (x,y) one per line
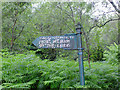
(55,41)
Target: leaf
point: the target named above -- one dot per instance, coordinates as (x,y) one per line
(48,82)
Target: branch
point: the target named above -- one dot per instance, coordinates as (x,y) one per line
(103,24)
(66,12)
(107,22)
(118,10)
(72,13)
(19,33)
(22,29)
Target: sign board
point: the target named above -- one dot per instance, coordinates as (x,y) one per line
(68,41)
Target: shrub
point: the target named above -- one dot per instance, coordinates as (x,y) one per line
(97,54)
(111,55)
(29,71)
(47,54)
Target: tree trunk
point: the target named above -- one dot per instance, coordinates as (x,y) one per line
(88,51)
(12,41)
(87,45)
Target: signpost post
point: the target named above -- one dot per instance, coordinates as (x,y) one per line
(80,54)
(67,42)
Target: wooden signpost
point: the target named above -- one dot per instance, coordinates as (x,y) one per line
(67,42)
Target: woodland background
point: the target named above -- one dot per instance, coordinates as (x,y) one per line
(25,66)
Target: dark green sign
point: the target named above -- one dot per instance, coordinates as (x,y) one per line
(68,41)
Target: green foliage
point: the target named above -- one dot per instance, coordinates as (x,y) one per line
(23,22)
(15,18)
(51,19)
(29,71)
(96,54)
(111,55)
(20,68)
(47,54)
(102,75)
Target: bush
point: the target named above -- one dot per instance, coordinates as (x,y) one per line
(97,54)
(111,55)
(47,54)
(102,75)
(28,71)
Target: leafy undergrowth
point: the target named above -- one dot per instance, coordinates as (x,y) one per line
(28,71)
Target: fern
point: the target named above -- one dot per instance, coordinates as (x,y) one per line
(111,55)
(29,71)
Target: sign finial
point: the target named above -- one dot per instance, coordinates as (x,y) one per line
(79,27)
